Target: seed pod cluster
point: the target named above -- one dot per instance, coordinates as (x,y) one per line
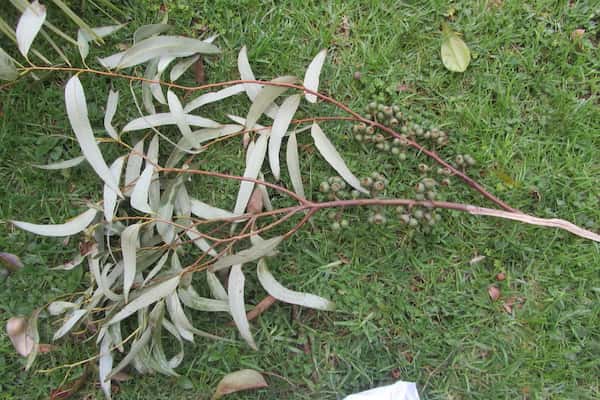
(376,183)
(464,161)
(337,220)
(335,188)
(418,217)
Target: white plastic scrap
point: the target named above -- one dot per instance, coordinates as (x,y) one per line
(398,391)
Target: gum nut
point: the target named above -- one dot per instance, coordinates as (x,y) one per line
(357,75)
(429,183)
(324,187)
(379,146)
(395,109)
(386,147)
(445,182)
(358,137)
(379,186)
(380,107)
(355,128)
(405,218)
(402,156)
(335,186)
(331,215)
(355,194)
(396,142)
(420,196)
(370,130)
(469,160)
(431,195)
(372,106)
(380,116)
(330,180)
(379,138)
(413,222)
(388,112)
(418,214)
(404,129)
(423,167)
(399,116)
(460,159)
(420,187)
(335,226)
(366,182)
(400,209)
(395,151)
(427,135)
(344,223)
(331,196)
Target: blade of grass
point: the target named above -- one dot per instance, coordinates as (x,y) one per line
(78,21)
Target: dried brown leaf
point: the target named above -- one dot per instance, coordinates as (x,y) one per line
(244,379)
(494,292)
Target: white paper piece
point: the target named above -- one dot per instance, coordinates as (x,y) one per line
(400,390)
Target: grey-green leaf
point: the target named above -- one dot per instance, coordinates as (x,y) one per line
(277,290)
(29,25)
(147,296)
(212,97)
(111,109)
(455,53)
(293,164)
(146,31)
(261,249)
(192,299)
(129,245)
(73,162)
(71,227)
(160,46)
(141,190)
(256,157)
(333,158)
(110,197)
(182,66)
(78,117)
(8,71)
(311,78)
(160,119)
(73,317)
(235,288)
(264,99)
(280,125)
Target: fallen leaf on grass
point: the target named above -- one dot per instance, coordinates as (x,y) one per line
(199,71)
(255,204)
(11,261)
(16,329)
(456,56)
(494,292)
(244,379)
(512,302)
(476,260)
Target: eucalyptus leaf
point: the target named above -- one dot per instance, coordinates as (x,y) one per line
(71,227)
(78,117)
(73,162)
(182,66)
(160,119)
(110,197)
(333,158)
(277,290)
(216,287)
(311,78)
(293,165)
(280,125)
(146,31)
(134,166)
(183,325)
(147,296)
(29,25)
(177,112)
(245,379)
(111,109)
(129,245)
(105,362)
(160,46)
(256,158)
(264,99)
(84,38)
(72,319)
(141,190)
(246,74)
(8,71)
(212,97)
(206,211)
(235,288)
(136,347)
(192,299)
(250,254)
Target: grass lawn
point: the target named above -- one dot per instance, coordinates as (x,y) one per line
(410,306)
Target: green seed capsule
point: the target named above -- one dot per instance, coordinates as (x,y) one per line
(427,135)
(404,129)
(358,137)
(380,107)
(366,182)
(372,106)
(355,194)
(386,146)
(400,209)
(332,215)
(394,122)
(395,151)
(380,116)
(399,116)
(418,214)
(336,187)
(431,195)
(379,186)
(388,112)
(437,217)
(469,160)
(395,109)
(331,196)
(405,219)
(402,156)
(445,182)
(370,130)
(379,138)
(330,180)
(423,168)
(344,223)
(413,222)
(336,226)
(429,183)
(379,219)
(460,160)
(420,188)
(324,187)
(342,194)
(379,146)
(419,196)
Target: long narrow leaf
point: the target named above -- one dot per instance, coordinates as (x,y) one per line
(76,19)
(73,317)
(216,287)
(246,74)
(212,97)
(111,109)
(134,166)
(206,211)
(261,249)
(8,71)
(192,299)
(129,245)
(84,38)
(146,31)
(255,160)
(160,119)
(72,227)
(293,165)
(110,197)
(141,190)
(78,116)
(264,99)
(73,162)
(311,78)
(105,363)
(235,288)
(333,158)
(29,25)
(280,125)
(160,46)
(178,317)
(177,112)
(148,296)
(136,347)
(277,290)
(182,66)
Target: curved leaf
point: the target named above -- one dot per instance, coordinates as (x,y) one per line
(84,38)
(206,211)
(146,31)
(293,165)
(73,162)
(235,288)
(277,290)
(246,74)
(73,318)
(182,66)
(264,99)
(110,197)
(161,46)
(78,117)
(212,97)
(280,125)
(160,119)
(261,249)
(147,296)
(333,158)
(105,363)
(73,226)
(244,379)
(8,71)
(192,299)
(141,191)
(129,245)
(455,53)
(177,112)
(256,157)
(134,166)
(311,78)
(29,25)
(111,109)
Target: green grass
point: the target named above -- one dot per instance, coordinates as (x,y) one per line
(527,107)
